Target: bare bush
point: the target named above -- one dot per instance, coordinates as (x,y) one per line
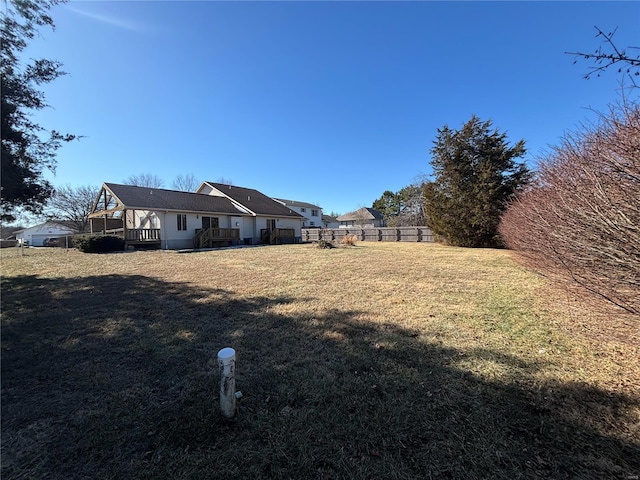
(579,224)
(349,240)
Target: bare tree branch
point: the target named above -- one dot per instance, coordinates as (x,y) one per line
(185,183)
(609,57)
(145,180)
(580,224)
(73,205)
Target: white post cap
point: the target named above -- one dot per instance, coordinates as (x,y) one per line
(226,354)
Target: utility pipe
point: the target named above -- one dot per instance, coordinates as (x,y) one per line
(227,365)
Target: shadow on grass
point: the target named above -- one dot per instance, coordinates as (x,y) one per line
(116,377)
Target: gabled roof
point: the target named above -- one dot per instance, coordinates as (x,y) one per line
(145,198)
(296,203)
(329,219)
(363,213)
(255,201)
(60,224)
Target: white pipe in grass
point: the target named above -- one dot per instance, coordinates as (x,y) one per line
(227,365)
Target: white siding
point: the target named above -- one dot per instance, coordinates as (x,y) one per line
(289,223)
(142,219)
(207,190)
(171,237)
(310,220)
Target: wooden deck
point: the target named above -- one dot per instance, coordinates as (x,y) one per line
(278,236)
(216,237)
(136,237)
(150,237)
(142,235)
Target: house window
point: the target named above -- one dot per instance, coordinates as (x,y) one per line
(312,224)
(302,209)
(210,222)
(182,221)
(314,213)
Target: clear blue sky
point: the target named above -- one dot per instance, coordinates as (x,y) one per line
(326,102)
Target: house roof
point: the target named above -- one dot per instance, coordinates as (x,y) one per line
(329,219)
(255,201)
(296,203)
(145,198)
(60,224)
(363,213)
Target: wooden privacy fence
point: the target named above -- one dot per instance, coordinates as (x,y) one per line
(380,234)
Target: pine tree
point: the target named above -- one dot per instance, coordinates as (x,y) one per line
(27,150)
(475,173)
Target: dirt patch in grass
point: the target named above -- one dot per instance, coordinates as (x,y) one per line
(377,361)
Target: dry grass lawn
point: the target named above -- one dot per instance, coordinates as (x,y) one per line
(381,361)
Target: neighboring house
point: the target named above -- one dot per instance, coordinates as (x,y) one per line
(330,222)
(171,219)
(312,213)
(363,217)
(36,235)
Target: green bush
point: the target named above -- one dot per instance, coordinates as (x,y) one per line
(99,244)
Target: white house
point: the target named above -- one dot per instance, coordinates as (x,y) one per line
(214,216)
(36,235)
(330,222)
(312,213)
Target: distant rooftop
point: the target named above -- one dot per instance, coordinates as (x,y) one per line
(296,203)
(363,213)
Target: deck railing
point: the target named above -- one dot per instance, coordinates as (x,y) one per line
(276,236)
(208,237)
(143,235)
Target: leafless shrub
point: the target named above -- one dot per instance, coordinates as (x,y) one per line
(579,224)
(349,240)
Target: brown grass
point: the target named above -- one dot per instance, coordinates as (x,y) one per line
(381,361)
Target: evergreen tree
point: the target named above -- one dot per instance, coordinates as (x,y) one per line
(389,206)
(27,149)
(475,173)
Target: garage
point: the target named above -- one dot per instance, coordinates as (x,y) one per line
(37,234)
(37,240)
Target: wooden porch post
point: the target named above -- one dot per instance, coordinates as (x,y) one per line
(104,229)
(124,225)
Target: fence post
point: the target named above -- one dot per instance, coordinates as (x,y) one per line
(227,365)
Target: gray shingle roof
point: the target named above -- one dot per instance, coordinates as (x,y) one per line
(145,198)
(296,203)
(255,201)
(363,213)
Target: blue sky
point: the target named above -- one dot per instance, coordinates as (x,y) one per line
(326,102)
